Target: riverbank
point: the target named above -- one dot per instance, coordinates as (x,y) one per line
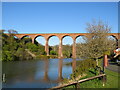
(113,77)
(112,81)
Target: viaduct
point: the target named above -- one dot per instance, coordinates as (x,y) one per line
(61,36)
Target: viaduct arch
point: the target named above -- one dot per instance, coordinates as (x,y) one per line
(61,36)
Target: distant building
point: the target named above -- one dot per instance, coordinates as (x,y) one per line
(117,52)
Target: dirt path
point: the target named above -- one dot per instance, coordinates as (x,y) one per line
(113,67)
(33,55)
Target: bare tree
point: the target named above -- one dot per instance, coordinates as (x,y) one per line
(97,43)
(12,32)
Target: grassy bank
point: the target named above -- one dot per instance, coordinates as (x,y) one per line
(112,80)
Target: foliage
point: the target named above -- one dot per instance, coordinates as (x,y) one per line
(7,56)
(85,69)
(53,52)
(42,57)
(67,51)
(53,56)
(37,49)
(15,49)
(27,40)
(97,42)
(54,49)
(82,67)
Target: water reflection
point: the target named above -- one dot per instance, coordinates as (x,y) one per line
(73,65)
(46,66)
(60,64)
(46,78)
(38,73)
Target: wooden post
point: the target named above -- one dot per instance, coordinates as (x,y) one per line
(77,86)
(105,62)
(104,80)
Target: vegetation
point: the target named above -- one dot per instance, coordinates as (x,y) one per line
(112,81)
(15,49)
(84,68)
(97,43)
(67,51)
(94,47)
(54,50)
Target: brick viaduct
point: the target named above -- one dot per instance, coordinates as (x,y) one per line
(61,36)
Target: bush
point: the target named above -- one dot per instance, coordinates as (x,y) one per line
(83,67)
(52,52)
(42,57)
(7,56)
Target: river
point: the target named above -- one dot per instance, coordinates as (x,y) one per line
(36,73)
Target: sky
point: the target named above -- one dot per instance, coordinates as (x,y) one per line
(57,17)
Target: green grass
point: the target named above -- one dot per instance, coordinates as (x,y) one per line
(112,81)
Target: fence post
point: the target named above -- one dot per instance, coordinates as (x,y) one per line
(104,80)
(77,86)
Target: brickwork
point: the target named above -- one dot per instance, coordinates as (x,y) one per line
(61,36)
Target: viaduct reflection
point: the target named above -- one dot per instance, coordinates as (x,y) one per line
(73,65)
(46,66)
(60,69)
(46,73)
(60,64)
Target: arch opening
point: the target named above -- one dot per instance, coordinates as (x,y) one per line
(80,45)
(26,39)
(39,40)
(113,40)
(53,43)
(67,46)
(15,37)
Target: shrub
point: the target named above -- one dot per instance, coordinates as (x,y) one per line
(83,67)
(52,52)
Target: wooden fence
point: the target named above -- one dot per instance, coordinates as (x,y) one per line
(77,85)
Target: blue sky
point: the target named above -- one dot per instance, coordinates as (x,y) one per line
(61,17)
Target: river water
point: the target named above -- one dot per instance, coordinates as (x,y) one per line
(36,73)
